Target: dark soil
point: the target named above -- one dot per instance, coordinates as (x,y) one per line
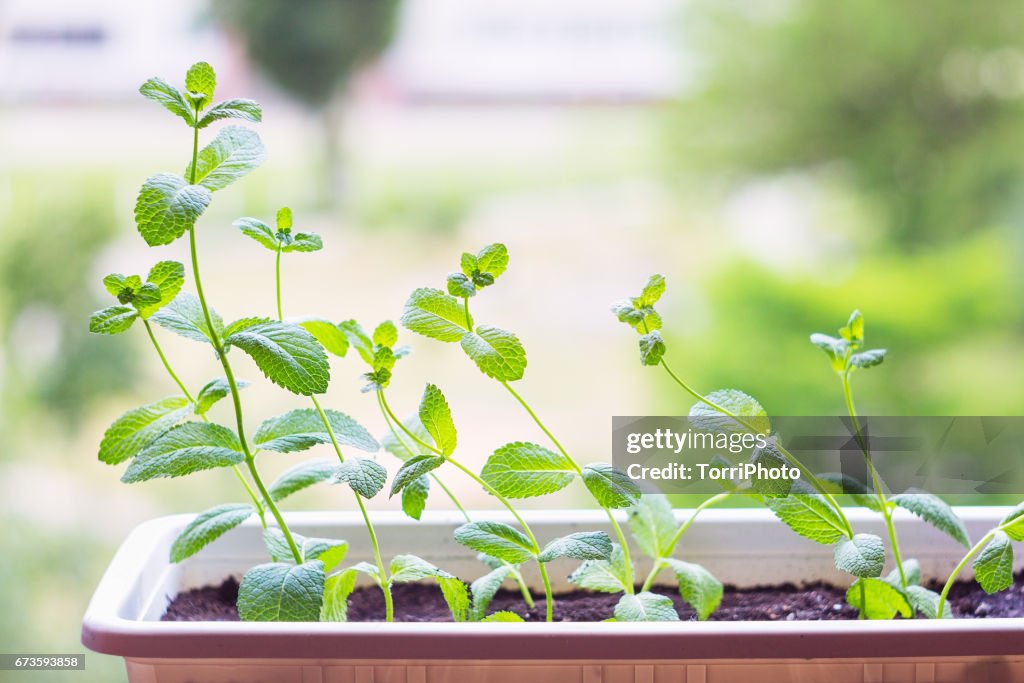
(423,602)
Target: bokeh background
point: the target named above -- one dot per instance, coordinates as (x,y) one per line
(780,161)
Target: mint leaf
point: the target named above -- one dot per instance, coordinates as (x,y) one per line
(302,476)
(497,353)
(232,154)
(243,324)
(201,80)
(868,359)
(863,555)
(288,355)
(397,442)
(408,568)
(207,527)
(366,477)
(652,291)
(485,588)
(912,571)
(497,540)
(643,320)
(282,592)
(167,277)
(167,206)
(652,348)
(436,418)
(1013,523)
(112,320)
(770,457)
(460,285)
(414,496)
(303,242)
(926,602)
(329,551)
(653,525)
(492,259)
(185,449)
(503,616)
(386,334)
(879,599)
(583,545)
(358,338)
(434,314)
(247,110)
(215,390)
(169,97)
(993,567)
(611,488)
(645,607)
(337,588)
(833,347)
(184,316)
(412,470)
(703,416)
(259,231)
(605,576)
(701,591)
(809,515)
(843,484)
(301,429)
(327,333)
(456,595)
(140,426)
(936,512)
(524,470)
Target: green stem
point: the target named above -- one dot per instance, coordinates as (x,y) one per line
(668,551)
(277,282)
(218,346)
(611,517)
(960,567)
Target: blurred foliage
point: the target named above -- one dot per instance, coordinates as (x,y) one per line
(919,102)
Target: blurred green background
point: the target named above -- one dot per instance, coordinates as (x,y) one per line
(780,162)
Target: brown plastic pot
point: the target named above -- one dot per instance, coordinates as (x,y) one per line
(741,547)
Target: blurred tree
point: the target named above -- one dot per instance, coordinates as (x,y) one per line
(311,50)
(919,102)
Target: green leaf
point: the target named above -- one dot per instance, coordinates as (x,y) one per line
(184,316)
(298,430)
(993,567)
(833,347)
(809,515)
(936,512)
(284,219)
(112,320)
(645,607)
(854,330)
(337,588)
(287,354)
(304,242)
(327,333)
(1013,523)
(583,545)
(412,470)
(497,540)
(207,527)
(246,110)
(456,595)
(843,484)
(169,97)
(282,592)
(386,334)
(259,231)
(770,457)
(398,443)
(407,568)
(653,525)
(434,314)
(492,259)
(605,576)
(497,353)
(232,154)
(359,339)
(243,324)
(863,555)
(302,476)
(524,470)
(168,277)
(167,206)
(368,569)
(139,427)
(926,602)
(643,320)
(652,348)
(185,449)
(652,291)
(201,80)
(912,571)
(436,418)
(611,488)
(329,551)
(503,616)
(414,497)
(744,406)
(215,390)
(485,588)
(701,591)
(878,600)
(366,477)
(460,285)
(868,359)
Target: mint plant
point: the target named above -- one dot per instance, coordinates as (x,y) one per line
(518,469)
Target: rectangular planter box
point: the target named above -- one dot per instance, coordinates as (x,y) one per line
(741,547)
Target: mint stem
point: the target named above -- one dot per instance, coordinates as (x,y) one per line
(960,567)
(668,551)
